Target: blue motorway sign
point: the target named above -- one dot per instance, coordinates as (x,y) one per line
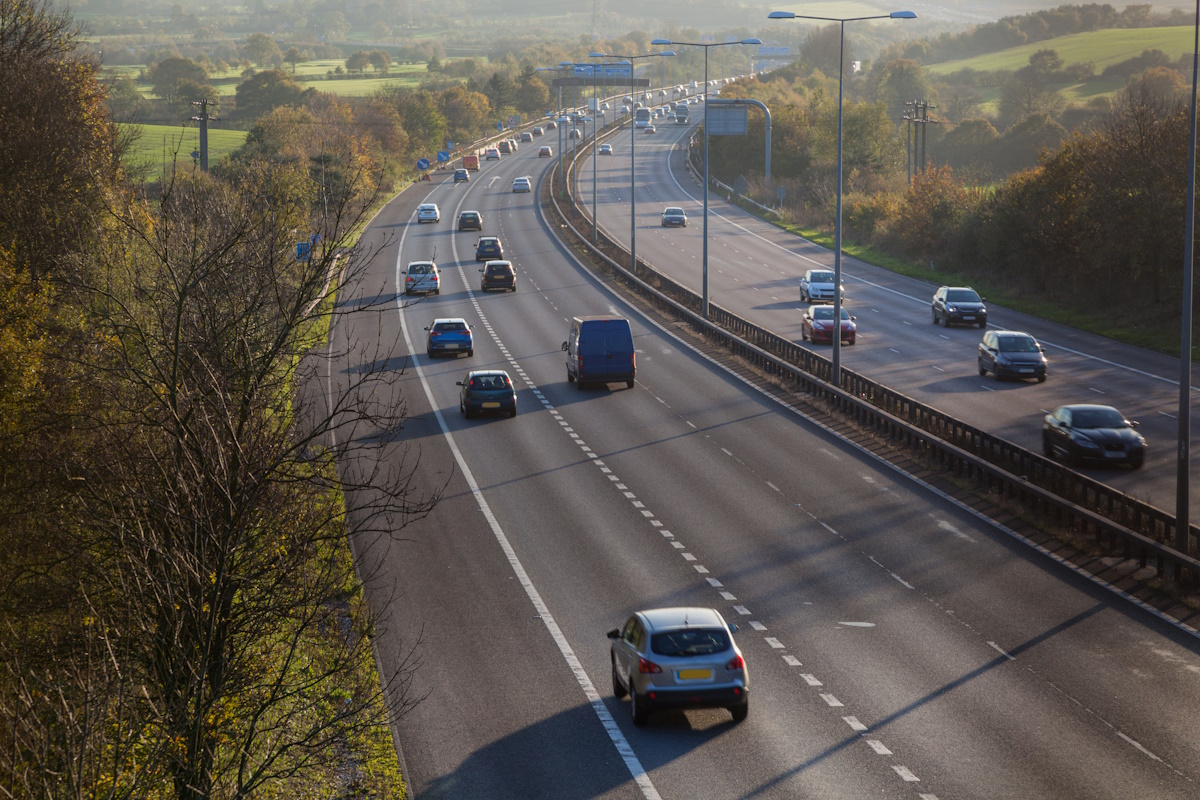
(302,250)
(443,156)
(422,163)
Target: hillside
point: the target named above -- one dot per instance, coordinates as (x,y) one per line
(1102,48)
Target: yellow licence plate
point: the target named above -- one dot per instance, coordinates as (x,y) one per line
(491,405)
(695,674)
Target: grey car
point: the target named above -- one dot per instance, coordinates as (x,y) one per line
(958,304)
(674,217)
(679,658)
(1011,354)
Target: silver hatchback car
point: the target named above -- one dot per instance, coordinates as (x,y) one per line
(679,658)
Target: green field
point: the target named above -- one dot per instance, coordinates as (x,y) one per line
(156,144)
(1102,48)
(314,74)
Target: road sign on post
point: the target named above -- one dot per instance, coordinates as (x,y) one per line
(443,156)
(422,163)
(302,250)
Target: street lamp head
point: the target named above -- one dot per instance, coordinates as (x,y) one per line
(597,55)
(659,42)
(782,15)
(565,64)
(666,53)
(903,15)
(751,41)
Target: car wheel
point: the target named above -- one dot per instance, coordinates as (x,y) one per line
(803,335)
(461,408)
(945,322)
(437,291)
(640,714)
(429,354)
(935,319)
(570,377)
(739,712)
(1047,447)
(996,375)
(619,691)
(470,353)
(1136,463)
(982,369)
(514,288)
(983,323)
(1041,378)
(629,384)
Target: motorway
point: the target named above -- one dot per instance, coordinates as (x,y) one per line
(897,644)
(755,270)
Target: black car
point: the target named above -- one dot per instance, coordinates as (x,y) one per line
(498,275)
(960,305)
(1011,354)
(1082,433)
(470,221)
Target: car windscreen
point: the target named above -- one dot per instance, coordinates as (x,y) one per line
(450,326)
(1097,418)
(826,312)
(821,277)
(962,296)
(1017,344)
(419,269)
(690,642)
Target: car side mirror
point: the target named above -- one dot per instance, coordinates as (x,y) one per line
(853,318)
(458,383)
(1133,423)
(733,628)
(614,634)
(564,346)
(427,329)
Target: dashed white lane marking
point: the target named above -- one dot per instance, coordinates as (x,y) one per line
(878,747)
(758,626)
(854,724)
(792,661)
(1000,650)
(1138,746)
(774,643)
(811,680)
(905,773)
(745,612)
(927,796)
(624,749)
(832,701)
(727,596)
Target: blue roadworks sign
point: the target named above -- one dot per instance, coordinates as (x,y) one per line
(422,163)
(443,156)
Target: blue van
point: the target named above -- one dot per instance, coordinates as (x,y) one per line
(600,350)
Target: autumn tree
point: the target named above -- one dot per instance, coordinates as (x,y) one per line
(168,73)
(262,50)
(293,56)
(59,164)
(358,61)
(268,89)
(380,61)
(466,112)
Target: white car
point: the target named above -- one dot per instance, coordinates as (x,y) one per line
(817,286)
(522,185)
(428,212)
(606,149)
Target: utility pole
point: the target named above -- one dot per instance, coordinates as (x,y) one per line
(204,119)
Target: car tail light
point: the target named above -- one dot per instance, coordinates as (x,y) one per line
(648,667)
(633,361)
(735,663)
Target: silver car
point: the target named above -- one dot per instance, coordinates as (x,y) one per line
(679,658)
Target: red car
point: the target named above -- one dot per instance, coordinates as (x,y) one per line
(817,325)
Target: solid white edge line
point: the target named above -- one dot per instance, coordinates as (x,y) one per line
(624,749)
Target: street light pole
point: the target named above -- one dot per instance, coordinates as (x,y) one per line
(836,333)
(1183,526)
(633,102)
(558,118)
(704,235)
